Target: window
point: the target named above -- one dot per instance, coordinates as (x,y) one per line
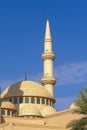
(8,112)
(2,112)
(46,101)
(15,101)
(10,99)
(20,100)
(26,100)
(50,102)
(32,100)
(43,101)
(13,113)
(38,100)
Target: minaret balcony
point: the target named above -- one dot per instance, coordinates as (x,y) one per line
(48,55)
(48,80)
(48,40)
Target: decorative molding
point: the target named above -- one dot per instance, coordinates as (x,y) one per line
(48,40)
(48,55)
(48,80)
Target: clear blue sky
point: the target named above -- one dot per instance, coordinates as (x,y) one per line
(22,28)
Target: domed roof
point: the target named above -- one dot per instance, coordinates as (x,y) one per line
(73,106)
(26,88)
(7,105)
(29,110)
(48,110)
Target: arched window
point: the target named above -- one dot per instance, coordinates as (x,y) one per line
(21,100)
(10,99)
(26,100)
(15,101)
(50,102)
(13,113)
(38,100)
(2,112)
(32,100)
(46,101)
(8,112)
(43,101)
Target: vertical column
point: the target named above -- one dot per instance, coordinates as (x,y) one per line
(23,99)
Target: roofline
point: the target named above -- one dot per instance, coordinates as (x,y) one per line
(63,112)
(29,96)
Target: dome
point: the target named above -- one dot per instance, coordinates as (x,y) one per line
(73,106)
(48,110)
(7,105)
(29,110)
(26,88)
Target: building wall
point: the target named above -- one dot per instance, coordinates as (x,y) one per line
(28,127)
(62,118)
(57,121)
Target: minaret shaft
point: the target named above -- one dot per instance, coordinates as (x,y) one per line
(48,67)
(48,56)
(47,46)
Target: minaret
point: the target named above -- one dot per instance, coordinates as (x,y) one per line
(48,80)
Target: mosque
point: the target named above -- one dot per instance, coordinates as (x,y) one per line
(27,105)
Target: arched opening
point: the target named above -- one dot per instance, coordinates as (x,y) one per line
(32,100)
(15,101)
(38,100)
(43,101)
(8,112)
(13,113)
(26,100)
(21,100)
(10,99)
(2,112)
(46,101)
(50,102)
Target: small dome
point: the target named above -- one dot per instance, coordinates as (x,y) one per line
(48,110)
(29,110)
(7,105)
(73,106)
(26,88)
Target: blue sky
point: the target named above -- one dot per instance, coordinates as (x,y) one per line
(22,28)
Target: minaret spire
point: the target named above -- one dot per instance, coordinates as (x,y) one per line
(47,33)
(48,56)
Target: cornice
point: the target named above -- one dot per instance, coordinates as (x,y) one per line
(48,55)
(48,80)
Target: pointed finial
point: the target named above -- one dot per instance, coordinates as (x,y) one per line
(47,33)
(25,76)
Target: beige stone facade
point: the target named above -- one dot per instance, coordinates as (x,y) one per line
(27,105)
(57,121)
